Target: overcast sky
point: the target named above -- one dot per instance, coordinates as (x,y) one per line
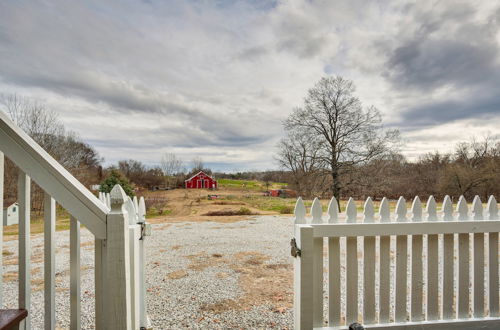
(215,79)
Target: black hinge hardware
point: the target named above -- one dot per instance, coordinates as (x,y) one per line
(295,251)
(145,229)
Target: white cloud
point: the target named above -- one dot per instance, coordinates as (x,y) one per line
(136,79)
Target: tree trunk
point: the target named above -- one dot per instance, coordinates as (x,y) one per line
(335,184)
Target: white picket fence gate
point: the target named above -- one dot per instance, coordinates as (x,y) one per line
(139,229)
(116,221)
(422,270)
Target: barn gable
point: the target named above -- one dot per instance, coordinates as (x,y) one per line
(200,180)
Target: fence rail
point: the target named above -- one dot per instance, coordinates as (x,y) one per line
(416,269)
(116,221)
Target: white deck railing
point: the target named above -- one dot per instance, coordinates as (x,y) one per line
(412,271)
(117,222)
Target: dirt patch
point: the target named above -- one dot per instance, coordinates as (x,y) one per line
(202,218)
(36,270)
(36,257)
(9,276)
(227,203)
(177,274)
(10,262)
(261,282)
(67,271)
(201,261)
(37,284)
(7,253)
(191,205)
(176,247)
(241,211)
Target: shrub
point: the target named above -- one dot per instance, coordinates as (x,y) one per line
(241,211)
(115,178)
(244,211)
(287,209)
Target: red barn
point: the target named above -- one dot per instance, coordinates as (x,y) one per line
(201,180)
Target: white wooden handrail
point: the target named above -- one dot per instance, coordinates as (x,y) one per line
(53,177)
(117,223)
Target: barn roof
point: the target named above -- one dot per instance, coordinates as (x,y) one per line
(199,174)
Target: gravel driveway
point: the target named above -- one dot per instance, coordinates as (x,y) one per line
(199,275)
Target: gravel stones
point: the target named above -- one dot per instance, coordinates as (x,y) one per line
(199,275)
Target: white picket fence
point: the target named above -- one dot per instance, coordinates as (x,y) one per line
(117,223)
(138,231)
(421,269)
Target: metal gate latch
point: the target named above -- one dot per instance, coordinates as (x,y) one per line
(145,229)
(295,251)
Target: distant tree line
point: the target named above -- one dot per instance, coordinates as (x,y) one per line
(473,168)
(43,125)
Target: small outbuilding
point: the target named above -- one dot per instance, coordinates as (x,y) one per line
(11,215)
(201,180)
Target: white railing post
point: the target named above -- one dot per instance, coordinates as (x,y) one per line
(49,265)
(75,293)
(141,215)
(99,278)
(134,236)
(23,191)
(117,270)
(303,278)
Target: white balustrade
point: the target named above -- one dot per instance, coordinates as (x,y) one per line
(116,221)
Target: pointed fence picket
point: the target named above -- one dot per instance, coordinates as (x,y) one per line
(385,265)
(449,302)
(388,291)
(369,266)
(334,290)
(417,283)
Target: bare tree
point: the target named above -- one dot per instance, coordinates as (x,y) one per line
(171,164)
(474,166)
(33,117)
(346,133)
(197,164)
(298,153)
(44,126)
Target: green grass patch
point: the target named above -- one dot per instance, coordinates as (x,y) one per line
(36,226)
(153,212)
(249,184)
(265,203)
